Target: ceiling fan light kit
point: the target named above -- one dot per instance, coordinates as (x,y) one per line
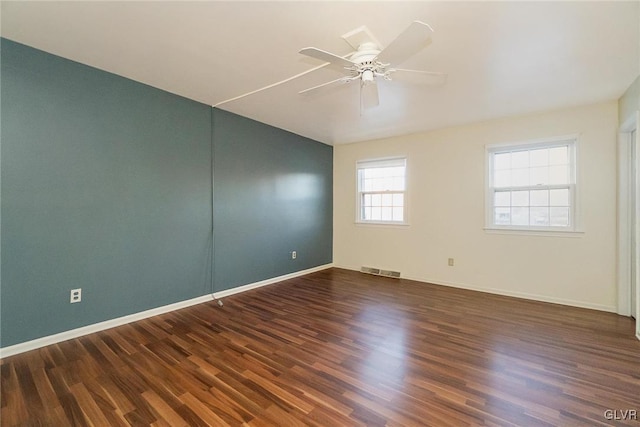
(367,76)
(370,62)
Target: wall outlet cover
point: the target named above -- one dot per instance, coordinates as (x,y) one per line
(76,295)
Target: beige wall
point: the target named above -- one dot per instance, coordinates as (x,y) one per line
(446,194)
(629,103)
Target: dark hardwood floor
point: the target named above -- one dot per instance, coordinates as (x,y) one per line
(338,348)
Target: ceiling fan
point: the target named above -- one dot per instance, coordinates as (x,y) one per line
(369,62)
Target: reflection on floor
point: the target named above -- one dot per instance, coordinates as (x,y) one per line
(338,348)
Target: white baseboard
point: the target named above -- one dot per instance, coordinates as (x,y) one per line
(271,281)
(97,327)
(108,324)
(515,294)
(526,295)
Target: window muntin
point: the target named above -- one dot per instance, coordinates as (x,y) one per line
(382,191)
(532,186)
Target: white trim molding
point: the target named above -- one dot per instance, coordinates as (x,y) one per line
(626,179)
(97,327)
(521,295)
(248,287)
(624,223)
(108,324)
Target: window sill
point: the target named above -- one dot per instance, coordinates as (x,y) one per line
(530,232)
(382,223)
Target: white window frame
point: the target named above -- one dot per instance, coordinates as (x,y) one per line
(359,193)
(574,211)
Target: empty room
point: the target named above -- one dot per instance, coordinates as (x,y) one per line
(315,213)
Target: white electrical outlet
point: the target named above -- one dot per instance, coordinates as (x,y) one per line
(450,262)
(294,255)
(76,295)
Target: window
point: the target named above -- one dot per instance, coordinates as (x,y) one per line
(381,191)
(532,186)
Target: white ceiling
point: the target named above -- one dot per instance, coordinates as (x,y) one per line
(502,58)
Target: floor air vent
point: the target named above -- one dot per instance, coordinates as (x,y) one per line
(378,272)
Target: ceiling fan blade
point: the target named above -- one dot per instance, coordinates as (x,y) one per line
(326,56)
(408,43)
(314,88)
(417,76)
(369,95)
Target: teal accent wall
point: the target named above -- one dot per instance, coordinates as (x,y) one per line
(106,185)
(273,194)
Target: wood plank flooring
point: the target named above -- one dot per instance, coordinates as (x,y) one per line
(338,348)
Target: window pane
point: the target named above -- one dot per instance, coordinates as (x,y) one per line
(539,157)
(559,155)
(502,178)
(398,214)
(502,216)
(386,183)
(377,184)
(539,216)
(559,217)
(398,171)
(376,214)
(502,198)
(532,171)
(520,198)
(539,176)
(502,161)
(559,197)
(378,178)
(386,179)
(398,184)
(520,159)
(559,174)
(386,214)
(520,216)
(540,198)
(520,177)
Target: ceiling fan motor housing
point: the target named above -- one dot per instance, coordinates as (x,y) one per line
(366,66)
(366,52)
